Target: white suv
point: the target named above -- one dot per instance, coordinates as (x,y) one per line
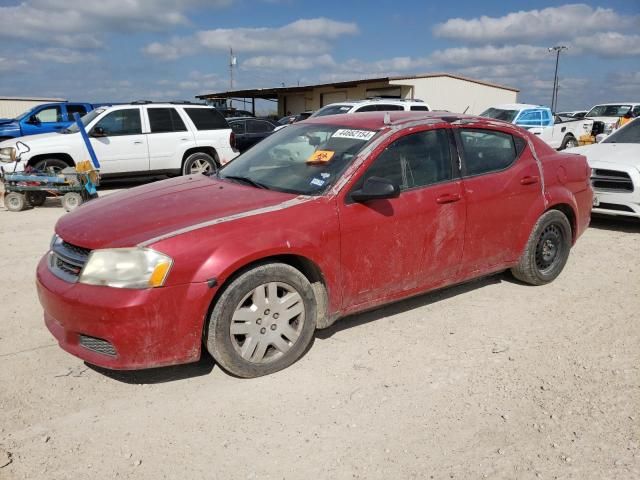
(140,138)
(371,105)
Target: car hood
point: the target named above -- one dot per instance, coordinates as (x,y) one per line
(7,120)
(620,153)
(135,216)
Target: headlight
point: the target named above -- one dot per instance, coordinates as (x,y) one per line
(126,268)
(7,155)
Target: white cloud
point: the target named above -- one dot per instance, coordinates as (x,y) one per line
(10,65)
(61,55)
(278,62)
(608,44)
(563,22)
(80,23)
(305,36)
(464,56)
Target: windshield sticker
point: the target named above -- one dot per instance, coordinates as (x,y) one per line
(317,182)
(357,134)
(325,175)
(321,156)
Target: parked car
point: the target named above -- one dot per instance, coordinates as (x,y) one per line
(573,114)
(610,113)
(138,139)
(615,171)
(250,130)
(45,118)
(558,132)
(323,219)
(298,117)
(372,105)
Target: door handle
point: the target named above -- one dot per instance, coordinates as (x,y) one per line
(137,142)
(448,198)
(184,139)
(529,180)
(536,133)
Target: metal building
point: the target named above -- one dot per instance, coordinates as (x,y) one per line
(442,91)
(11,107)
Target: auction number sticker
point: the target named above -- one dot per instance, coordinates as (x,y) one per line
(356,134)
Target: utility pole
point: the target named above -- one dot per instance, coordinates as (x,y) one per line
(232,63)
(554,96)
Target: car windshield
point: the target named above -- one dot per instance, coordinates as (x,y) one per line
(86,119)
(302,159)
(332,110)
(500,114)
(608,111)
(629,134)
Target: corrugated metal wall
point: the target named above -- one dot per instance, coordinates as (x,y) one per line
(12,107)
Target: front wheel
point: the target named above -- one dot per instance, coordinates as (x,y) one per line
(50,164)
(569,141)
(263,322)
(199,163)
(547,250)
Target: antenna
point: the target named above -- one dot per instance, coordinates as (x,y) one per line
(233,61)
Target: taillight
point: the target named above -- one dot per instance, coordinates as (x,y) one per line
(232,140)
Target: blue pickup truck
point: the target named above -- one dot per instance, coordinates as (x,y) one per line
(45,118)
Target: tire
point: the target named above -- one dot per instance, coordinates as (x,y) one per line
(15,202)
(199,163)
(569,141)
(36,199)
(547,250)
(50,163)
(265,337)
(71,201)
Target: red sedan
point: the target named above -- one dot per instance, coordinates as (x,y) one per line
(325,218)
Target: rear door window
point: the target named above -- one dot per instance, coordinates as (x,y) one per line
(419,108)
(238,127)
(530,118)
(258,126)
(488,150)
(79,109)
(206,118)
(49,115)
(162,120)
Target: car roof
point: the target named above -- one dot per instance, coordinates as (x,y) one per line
(398,101)
(375,120)
(614,103)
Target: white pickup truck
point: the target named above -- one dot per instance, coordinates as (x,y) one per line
(558,132)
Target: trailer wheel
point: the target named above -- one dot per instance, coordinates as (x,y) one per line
(71,201)
(15,202)
(36,199)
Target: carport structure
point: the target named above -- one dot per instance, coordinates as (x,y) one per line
(442,91)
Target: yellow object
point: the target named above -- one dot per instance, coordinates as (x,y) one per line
(321,156)
(159,274)
(586,139)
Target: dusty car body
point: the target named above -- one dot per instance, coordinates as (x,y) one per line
(287,231)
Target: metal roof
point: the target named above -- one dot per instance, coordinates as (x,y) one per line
(272,93)
(34,99)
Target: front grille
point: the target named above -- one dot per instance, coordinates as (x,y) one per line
(66,260)
(97,345)
(611,180)
(614,206)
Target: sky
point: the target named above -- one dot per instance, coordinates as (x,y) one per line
(122,50)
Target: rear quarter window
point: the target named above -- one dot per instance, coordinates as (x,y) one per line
(206,118)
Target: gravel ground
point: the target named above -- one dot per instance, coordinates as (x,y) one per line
(491,379)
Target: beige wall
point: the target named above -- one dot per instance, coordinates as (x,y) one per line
(10,108)
(455,95)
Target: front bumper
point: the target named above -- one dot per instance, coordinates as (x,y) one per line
(620,197)
(127,329)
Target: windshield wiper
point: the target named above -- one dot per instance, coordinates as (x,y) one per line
(246,180)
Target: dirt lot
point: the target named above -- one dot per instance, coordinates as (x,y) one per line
(487,380)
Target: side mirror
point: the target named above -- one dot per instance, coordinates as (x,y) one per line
(98,132)
(33,119)
(376,188)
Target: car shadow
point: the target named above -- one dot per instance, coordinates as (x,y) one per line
(151,376)
(618,224)
(405,305)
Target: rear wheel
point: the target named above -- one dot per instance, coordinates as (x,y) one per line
(569,141)
(15,202)
(199,163)
(547,250)
(263,321)
(71,201)
(49,164)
